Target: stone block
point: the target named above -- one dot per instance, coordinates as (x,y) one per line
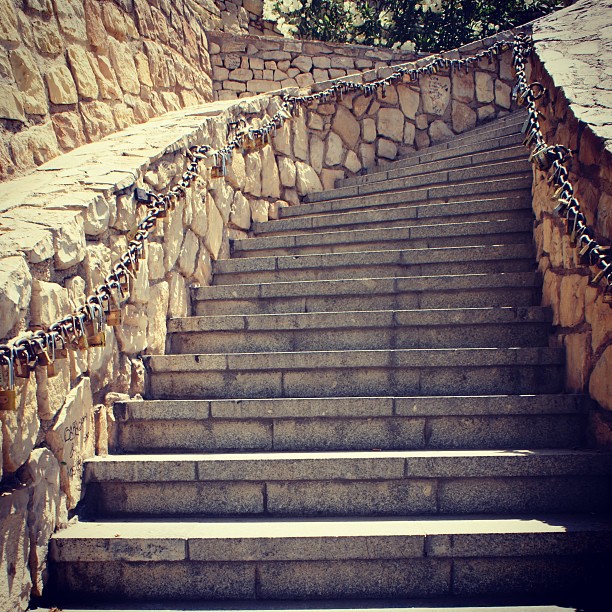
(409,133)
(253,174)
(71,17)
(571,299)
(435,93)
(409,101)
(30,83)
(462,86)
(367,153)
(300,137)
(390,124)
(577,358)
(123,62)
(463,117)
(96,34)
(503,94)
(346,126)
(270,180)
(8,23)
(439,131)
(69,130)
(316,152)
(307,180)
(105,75)
(157,313)
(386,149)
(352,162)
(15,291)
(98,119)
(11,106)
(132,333)
(259,210)
(485,90)
(15,580)
(329,178)
(600,382)
(241,212)
(335,150)
(72,439)
(34,146)
(83,75)
(286,171)
(214,235)
(178,304)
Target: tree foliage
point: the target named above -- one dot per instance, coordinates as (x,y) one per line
(419,25)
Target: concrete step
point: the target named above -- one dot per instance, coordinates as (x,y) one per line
(513,157)
(328,559)
(401,293)
(374,483)
(488,149)
(356,373)
(504,231)
(379,264)
(356,423)
(437,174)
(498,187)
(478,211)
(383,329)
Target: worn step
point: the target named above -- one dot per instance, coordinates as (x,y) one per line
(400,293)
(488,149)
(504,231)
(327,559)
(479,211)
(356,373)
(379,264)
(317,331)
(437,175)
(356,423)
(374,483)
(371,199)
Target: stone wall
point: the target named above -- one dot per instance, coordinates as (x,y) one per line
(240,17)
(73,71)
(575,113)
(250,65)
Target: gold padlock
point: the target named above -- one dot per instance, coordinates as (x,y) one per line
(8,396)
(217,172)
(61,352)
(93,326)
(22,366)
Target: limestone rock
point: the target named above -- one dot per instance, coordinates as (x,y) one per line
(576,361)
(439,131)
(352,162)
(346,126)
(124,65)
(82,72)
(386,149)
(368,129)
(51,391)
(97,265)
(259,210)
(178,305)
(50,302)
(484,87)
(34,241)
(47,38)
(329,177)
(96,33)
(307,179)
(463,85)
(11,105)
(421,139)
(71,17)
(157,312)
(15,290)
(316,152)
(503,94)
(132,333)
(156,261)
(282,140)
(214,235)
(203,271)
(105,75)
(42,474)
(463,117)
(224,197)
(572,292)
(333,155)
(485,113)
(275,207)
(287,171)
(35,145)
(173,236)
(270,180)
(391,123)
(367,153)
(300,137)
(8,22)
(253,174)
(600,382)
(29,81)
(68,129)
(409,132)
(20,427)
(98,119)
(236,171)
(435,92)
(72,439)
(409,101)
(14,548)
(241,211)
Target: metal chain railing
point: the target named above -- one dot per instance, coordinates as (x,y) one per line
(84,328)
(553,159)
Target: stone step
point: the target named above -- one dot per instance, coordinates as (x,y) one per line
(480,211)
(401,293)
(449,192)
(504,231)
(437,175)
(325,559)
(382,329)
(356,373)
(366,483)
(515,155)
(379,264)
(356,423)
(496,147)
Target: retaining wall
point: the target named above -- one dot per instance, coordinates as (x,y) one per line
(73,71)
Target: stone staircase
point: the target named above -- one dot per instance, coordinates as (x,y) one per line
(363,407)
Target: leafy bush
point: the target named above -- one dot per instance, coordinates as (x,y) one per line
(413,25)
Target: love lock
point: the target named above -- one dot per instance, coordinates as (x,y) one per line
(8,397)
(94,325)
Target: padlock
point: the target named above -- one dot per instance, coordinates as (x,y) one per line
(78,342)
(8,396)
(23,366)
(94,326)
(61,352)
(606,270)
(113,310)
(43,359)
